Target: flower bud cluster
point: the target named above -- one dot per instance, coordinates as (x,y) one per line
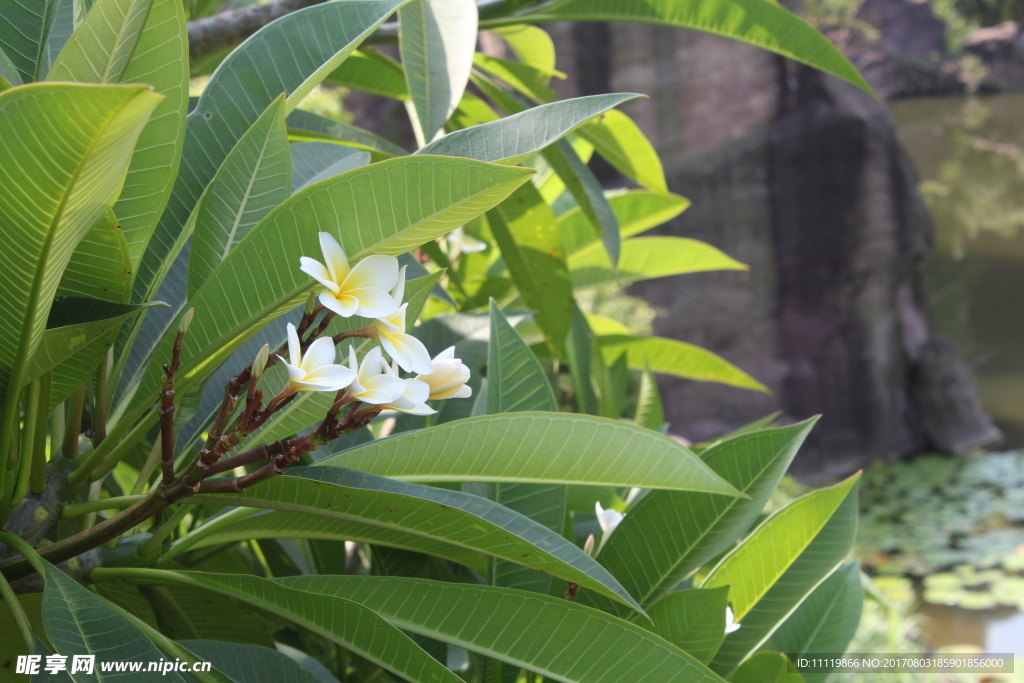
(373,288)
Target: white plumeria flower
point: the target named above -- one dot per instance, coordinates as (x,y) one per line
(370,385)
(730,625)
(466,244)
(407,350)
(447,377)
(315,370)
(362,290)
(414,399)
(608,519)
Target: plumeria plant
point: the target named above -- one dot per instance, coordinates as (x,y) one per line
(281,396)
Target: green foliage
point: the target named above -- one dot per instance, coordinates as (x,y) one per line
(176,300)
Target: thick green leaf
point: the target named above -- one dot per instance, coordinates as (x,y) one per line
(764,667)
(370,71)
(79,623)
(757,563)
(99,49)
(618,139)
(241,89)
(518,383)
(806,540)
(537,448)
(827,619)
(530,44)
(69,146)
(525,79)
(758,22)
(161,61)
(72,325)
(25,27)
(255,177)
(636,211)
(315,161)
(649,411)
(447,516)
(667,535)
(586,189)
(243,663)
(337,619)
(692,620)
(184,613)
(526,232)
(318,527)
(516,380)
(513,138)
(100,267)
(303,125)
(383,208)
(530,632)
(437,41)
(643,258)
(583,357)
(9,75)
(671,357)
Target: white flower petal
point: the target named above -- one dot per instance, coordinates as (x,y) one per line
(294,348)
(446,354)
(337,377)
(465,391)
(416,390)
(374,396)
(334,256)
(318,272)
(373,302)
(412,351)
(608,519)
(294,373)
(398,293)
(392,386)
(345,306)
(320,353)
(377,271)
(370,367)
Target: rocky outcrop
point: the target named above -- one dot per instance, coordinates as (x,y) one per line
(800,176)
(1001,49)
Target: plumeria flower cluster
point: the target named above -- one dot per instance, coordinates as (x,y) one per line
(373,288)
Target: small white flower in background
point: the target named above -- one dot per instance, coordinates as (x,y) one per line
(608,519)
(370,385)
(414,399)
(466,244)
(730,625)
(448,376)
(408,351)
(362,290)
(315,370)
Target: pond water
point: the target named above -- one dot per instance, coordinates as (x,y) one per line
(970,155)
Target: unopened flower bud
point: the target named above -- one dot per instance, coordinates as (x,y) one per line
(260,363)
(186,320)
(310,304)
(588,545)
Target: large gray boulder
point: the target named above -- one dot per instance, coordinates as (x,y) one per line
(800,176)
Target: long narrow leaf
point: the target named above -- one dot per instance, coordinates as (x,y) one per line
(537,448)
(529,631)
